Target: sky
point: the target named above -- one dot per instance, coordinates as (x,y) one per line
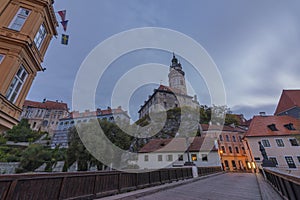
(254,44)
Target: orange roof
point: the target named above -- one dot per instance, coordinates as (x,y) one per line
(51,105)
(98,112)
(288,100)
(205,127)
(173,145)
(259,126)
(169,89)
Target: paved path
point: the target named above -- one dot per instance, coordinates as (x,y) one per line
(233,186)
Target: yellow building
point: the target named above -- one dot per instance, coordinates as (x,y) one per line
(26,29)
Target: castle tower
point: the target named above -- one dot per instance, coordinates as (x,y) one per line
(26,29)
(176,76)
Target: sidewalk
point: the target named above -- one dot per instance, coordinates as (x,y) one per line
(147,191)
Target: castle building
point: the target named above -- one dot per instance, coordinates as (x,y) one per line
(172,96)
(26,29)
(44,116)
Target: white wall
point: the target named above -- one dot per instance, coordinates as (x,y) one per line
(274,150)
(153,163)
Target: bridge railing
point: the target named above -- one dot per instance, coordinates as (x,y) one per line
(287,185)
(208,170)
(84,185)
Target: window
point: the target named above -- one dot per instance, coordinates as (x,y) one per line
(233,139)
(40,36)
(1,57)
(194,157)
(19,19)
(180,157)
(257,158)
(227,138)
(226,164)
(169,157)
(274,160)
(272,127)
(289,126)
(221,138)
(294,142)
(298,157)
(233,164)
(266,143)
(289,160)
(230,149)
(279,142)
(237,150)
(146,158)
(223,149)
(16,85)
(204,157)
(159,157)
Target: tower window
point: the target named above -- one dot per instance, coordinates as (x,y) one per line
(16,84)
(19,19)
(40,36)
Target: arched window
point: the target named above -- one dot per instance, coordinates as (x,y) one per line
(227,138)
(233,138)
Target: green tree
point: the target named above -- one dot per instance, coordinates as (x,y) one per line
(22,132)
(33,157)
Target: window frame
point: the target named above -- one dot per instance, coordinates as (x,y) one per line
(16,84)
(295,144)
(159,158)
(19,16)
(146,158)
(194,157)
(292,164)
(204,157)
(169,157)
(266,143)
(40,36)
(279,142)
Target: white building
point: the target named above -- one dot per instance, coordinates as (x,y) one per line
(60,137)
(164,153)
(277,135)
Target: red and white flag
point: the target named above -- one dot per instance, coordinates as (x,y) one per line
(65,24)
(62,14)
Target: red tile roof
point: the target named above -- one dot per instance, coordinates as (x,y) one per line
(173,145)
(259,126)
(87,113)
(51,105)
(288,100)
(205,127)
(169,89)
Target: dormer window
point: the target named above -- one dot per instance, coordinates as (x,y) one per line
(272,127)
(289,126)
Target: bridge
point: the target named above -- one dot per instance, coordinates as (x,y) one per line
(173,183)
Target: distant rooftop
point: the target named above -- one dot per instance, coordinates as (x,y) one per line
(50,105)
(273,126)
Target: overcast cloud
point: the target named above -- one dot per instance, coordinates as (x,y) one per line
(255,45)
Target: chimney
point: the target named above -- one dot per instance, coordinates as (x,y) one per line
(262,114)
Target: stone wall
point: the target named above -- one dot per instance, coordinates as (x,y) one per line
(8,168)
